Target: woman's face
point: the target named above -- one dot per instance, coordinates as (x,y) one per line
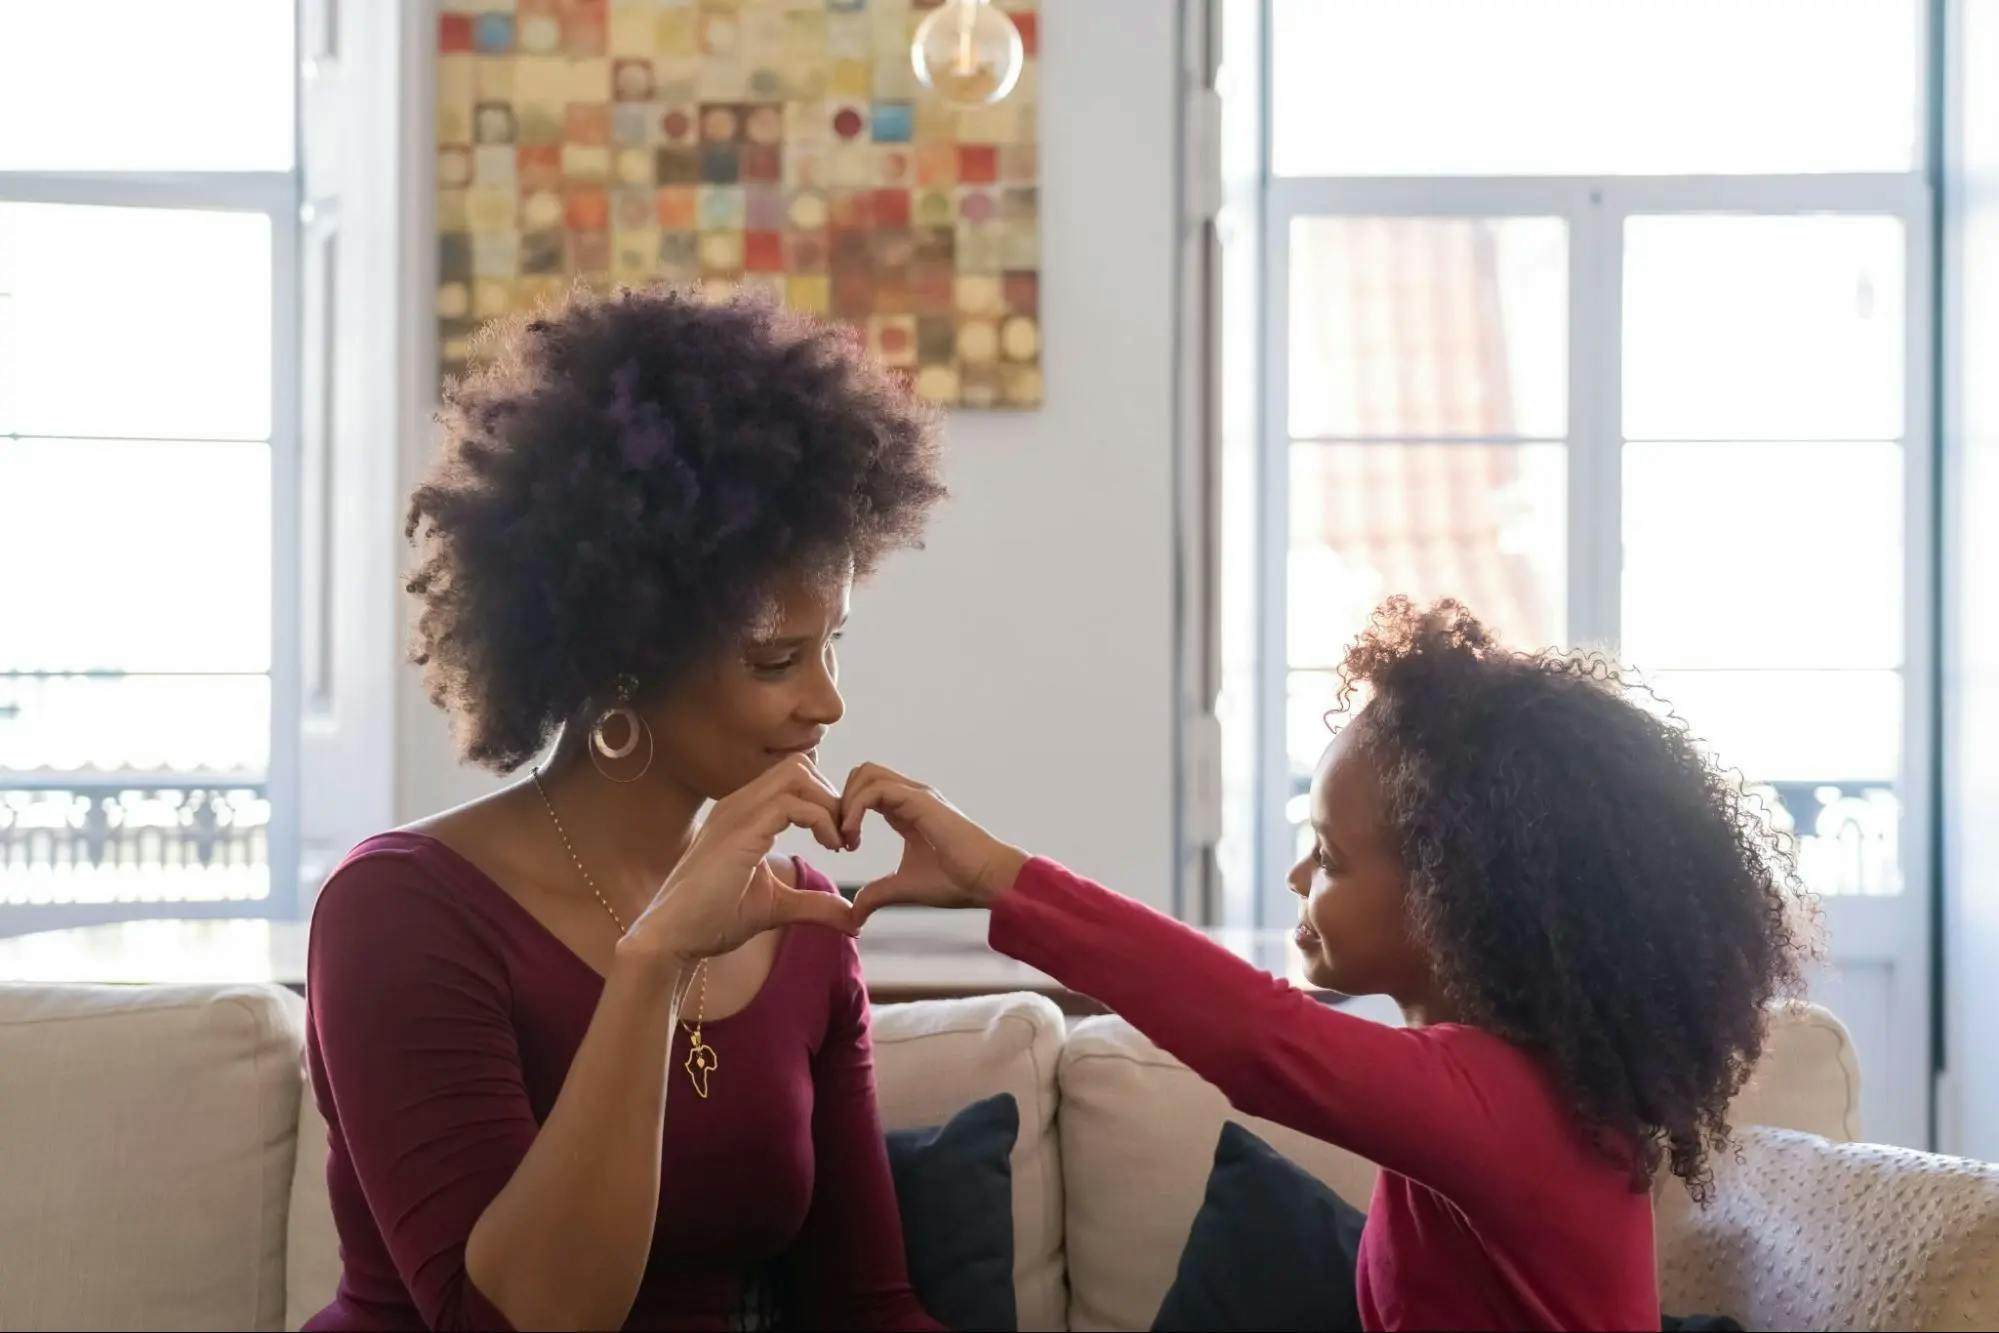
(1353,920)
(772,693)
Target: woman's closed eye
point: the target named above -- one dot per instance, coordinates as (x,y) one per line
(778,666)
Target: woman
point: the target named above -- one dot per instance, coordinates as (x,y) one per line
(588,1061)
(1578,914)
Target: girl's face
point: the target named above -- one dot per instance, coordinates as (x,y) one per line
(1353,921)
(774,692)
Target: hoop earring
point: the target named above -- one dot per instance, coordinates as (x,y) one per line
(636,726)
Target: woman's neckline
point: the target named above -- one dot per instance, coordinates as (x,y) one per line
(487,884)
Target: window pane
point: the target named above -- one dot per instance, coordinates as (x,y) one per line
(1763,555)
(1565,87)
(1848,835)
(135,556)
(1429,326)
(1847,830)
(1482,523)
(134,321)
(138,845)
(1821,751)
(1763,328)
(1311,699)
(1841,727)
(142,85)
(135,724)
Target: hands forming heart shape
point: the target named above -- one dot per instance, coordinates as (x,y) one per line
(723,892)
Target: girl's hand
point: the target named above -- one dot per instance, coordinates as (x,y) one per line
(723,891)
(947,860)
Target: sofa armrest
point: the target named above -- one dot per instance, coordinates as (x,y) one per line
(1806,1233)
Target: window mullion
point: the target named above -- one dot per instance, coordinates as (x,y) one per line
(1273,527)
(1596,499)
(273,192)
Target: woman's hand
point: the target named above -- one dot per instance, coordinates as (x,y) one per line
(723,891)
(947,860)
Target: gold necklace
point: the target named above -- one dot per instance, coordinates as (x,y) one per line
(701,1060)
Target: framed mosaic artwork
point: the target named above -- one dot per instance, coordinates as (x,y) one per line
(780,145)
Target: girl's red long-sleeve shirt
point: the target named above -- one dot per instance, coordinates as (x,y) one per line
(1493,1210)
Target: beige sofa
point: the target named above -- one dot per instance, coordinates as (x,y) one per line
(159,1169)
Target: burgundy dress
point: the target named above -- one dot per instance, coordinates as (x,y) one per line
(443,1018)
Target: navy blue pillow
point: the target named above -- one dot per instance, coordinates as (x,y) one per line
(955,1185)
(1272,1247)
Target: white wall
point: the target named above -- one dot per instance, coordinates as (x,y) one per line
(1971,680)
(1022,663)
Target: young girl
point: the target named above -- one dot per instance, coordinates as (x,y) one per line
(1579,915)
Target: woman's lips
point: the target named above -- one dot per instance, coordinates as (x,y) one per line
(1306,938)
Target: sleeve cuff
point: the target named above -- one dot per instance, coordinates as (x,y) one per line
(1021,914)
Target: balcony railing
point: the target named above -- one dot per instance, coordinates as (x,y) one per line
(132,839)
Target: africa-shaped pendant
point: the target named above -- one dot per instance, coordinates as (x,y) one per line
(701,1062)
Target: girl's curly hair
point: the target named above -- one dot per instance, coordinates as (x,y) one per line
(1589,884)
(622,481)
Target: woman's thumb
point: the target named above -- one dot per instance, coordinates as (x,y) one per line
(813,908)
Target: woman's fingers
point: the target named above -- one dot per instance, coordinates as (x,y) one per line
(850,814)
(787,809)
(794,776)
(800,777)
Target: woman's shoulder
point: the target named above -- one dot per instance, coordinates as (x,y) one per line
(395,892)
(404,858)
(398,942)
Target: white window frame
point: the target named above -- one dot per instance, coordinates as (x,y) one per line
(354,388)
(275,196)
(1892,933)
(1595,210)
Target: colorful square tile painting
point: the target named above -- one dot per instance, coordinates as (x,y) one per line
(783,145)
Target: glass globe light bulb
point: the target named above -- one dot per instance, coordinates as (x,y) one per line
(968,53)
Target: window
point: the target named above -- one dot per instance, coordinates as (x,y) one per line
(149,205)
(1753,555)
(1609,318)
(1436,88)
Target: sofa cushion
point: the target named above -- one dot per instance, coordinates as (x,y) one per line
(933,1059)
(312,1246)
(1808,1078)
(1139,1129)
(1806,1233)
(146,1145)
